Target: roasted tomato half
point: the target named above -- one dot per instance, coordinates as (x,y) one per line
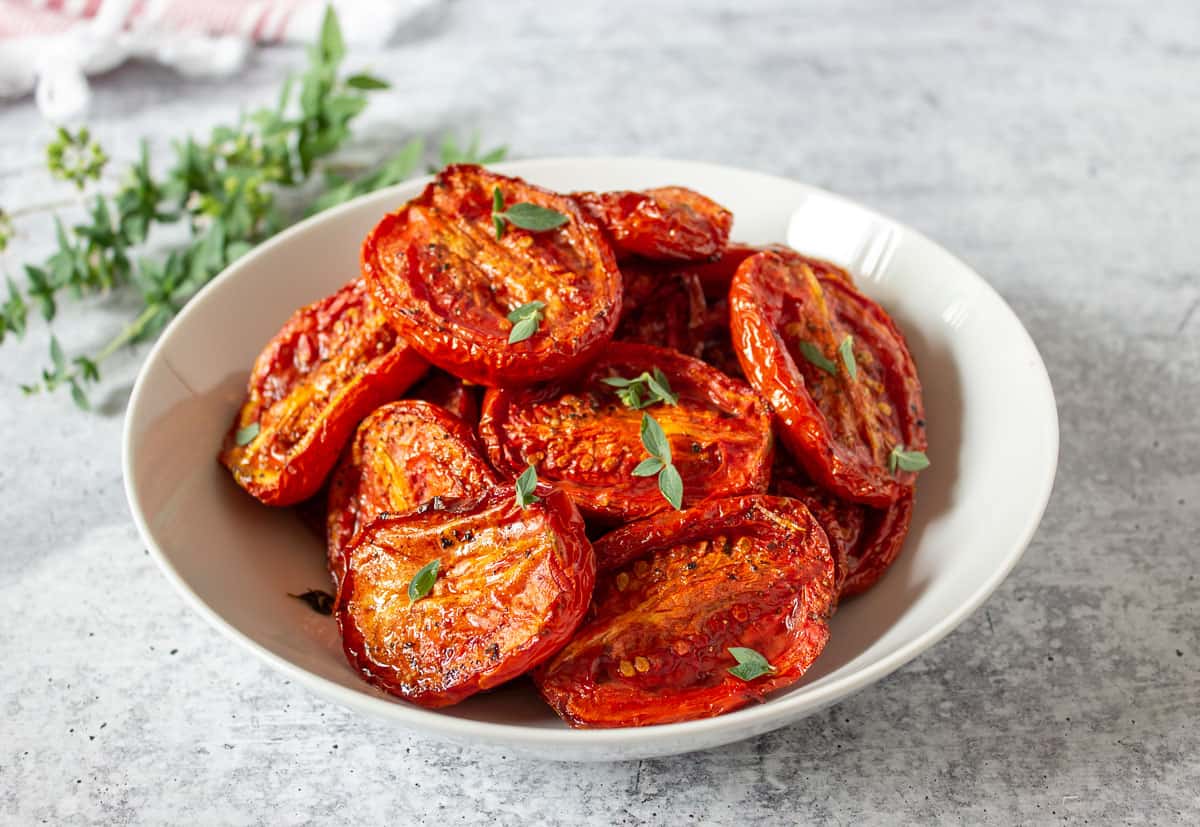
(663,305)
(512,584)
(717,275)
(334,362)
(581,436)
(790,322)
(403,456)
(671,223)
(752,572)
(864,540)
(450,393)
(450,285)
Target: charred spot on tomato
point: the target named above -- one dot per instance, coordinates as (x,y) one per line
(789,315)
(671,223)
(330,365)
(502,603)
(406,456)
(654,648)
(450,284)
(581,438)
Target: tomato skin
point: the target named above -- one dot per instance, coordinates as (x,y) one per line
(663,306)
(330,365)
(865,541)
(667,223)
(581,437)
(841,430)
(449,393)
(449,284)
(716,341)
(882,538)
(715,276)
(512,588)
(402,456)
(682,588)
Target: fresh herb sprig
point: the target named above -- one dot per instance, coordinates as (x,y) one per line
(527,216)
(223,190)
(659,464)
(644,390)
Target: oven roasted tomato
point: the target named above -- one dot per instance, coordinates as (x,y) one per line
(788,315)
(864,540)
(671,223)
(403,455)
(334,362)
(580,435)
(663,305)
(511,587)
(449,393)
(883,533)
(716,343)
(753,572)
(717,275)
(449,284)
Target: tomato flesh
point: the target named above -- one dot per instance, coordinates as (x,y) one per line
(841,429)
(512,586)
(449,393)
(669,223)
(450,284)
(663,306)
(403,455)
(334,362)
(579,435)
(683,588)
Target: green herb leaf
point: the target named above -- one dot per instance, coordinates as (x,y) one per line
(533,218)
(58,357)
(245,436)
(671,486)
(648,467)
(814,355)
(655,439)
(223,190)
(526,485)
(79,397)
(497,200)
(333,48)
(366,82)
(654,385)
(423,581)
(525,320)
(751,664)
(846,349)
(907,460)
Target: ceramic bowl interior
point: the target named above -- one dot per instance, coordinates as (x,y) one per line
(993,440)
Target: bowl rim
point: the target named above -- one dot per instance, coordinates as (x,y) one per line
(729,727)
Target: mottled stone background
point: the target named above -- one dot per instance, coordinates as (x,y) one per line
(1055,147)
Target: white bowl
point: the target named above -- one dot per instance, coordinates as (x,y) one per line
(993,442)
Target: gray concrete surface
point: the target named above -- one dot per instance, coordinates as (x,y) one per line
(1055,147)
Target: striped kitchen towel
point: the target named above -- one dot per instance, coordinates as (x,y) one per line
(50,46)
